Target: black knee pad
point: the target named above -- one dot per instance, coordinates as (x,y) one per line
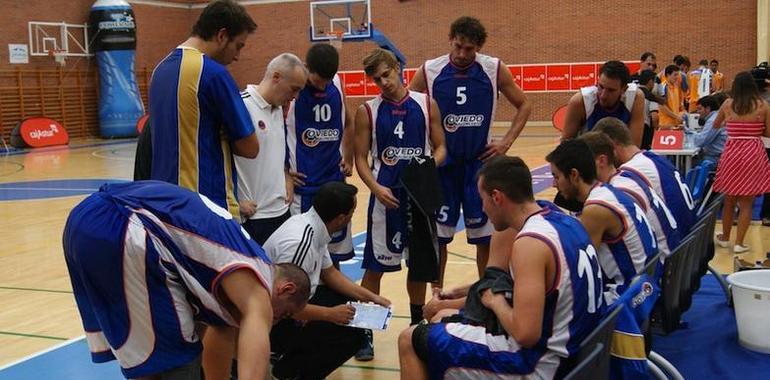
(420,341)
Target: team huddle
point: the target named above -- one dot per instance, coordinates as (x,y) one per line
(227,261)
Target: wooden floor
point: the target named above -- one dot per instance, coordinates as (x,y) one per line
(37,310)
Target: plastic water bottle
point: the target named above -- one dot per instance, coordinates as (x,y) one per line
(113,29)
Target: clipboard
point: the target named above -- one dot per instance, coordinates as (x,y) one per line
(371,316)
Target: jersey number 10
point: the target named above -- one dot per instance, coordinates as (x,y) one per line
(323,112)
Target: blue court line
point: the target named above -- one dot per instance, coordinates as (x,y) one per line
(71,360)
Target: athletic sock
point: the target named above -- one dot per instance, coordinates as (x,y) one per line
(416,312)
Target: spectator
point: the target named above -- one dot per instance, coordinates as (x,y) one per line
(761,76)
(744,170)
(717,78)
(672,113)
(710,140)
(651,118)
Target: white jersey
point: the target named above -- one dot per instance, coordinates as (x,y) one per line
(263,179)
(662,176)
(622,257)
(302,241)
(658,214)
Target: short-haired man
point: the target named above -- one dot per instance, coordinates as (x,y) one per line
(658,214)
(557,293)
(613,95)
(196,113)
(465,85)
(699,82)
(657,171)
(392,128)
(717,78)
(265,190)
(323,343)
(710,140)
(646,81)
(319,135)
(672,113)
(148,260)
(617,225)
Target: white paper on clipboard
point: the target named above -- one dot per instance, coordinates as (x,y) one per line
(370,316)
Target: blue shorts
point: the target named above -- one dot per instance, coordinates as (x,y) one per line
(128,301)
(458,183)
(463,351)
(341,246)
(387,239)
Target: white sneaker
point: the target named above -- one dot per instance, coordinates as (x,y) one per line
(720,242)
(739,248)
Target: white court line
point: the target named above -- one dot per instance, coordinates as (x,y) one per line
(47,350)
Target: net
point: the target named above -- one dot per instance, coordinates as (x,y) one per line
(59,55)
(335,39)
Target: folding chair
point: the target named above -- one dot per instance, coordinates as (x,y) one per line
(592,361)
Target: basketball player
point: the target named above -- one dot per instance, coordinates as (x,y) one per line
(657,172)
(148,260)
(319,140)
(465,85)
(557,293)
(392,128)
(658,214)
(198,119)
(613,95)
(617,226)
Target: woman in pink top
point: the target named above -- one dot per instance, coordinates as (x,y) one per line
(744,170)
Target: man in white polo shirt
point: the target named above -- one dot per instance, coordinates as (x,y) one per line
(315,348)
(265,190)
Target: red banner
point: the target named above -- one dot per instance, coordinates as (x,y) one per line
(141,123)
(633,66)
(558,77)
(533,78)
(371,88)
(583,75)
(551,78)
(408,75)
(354,83)
(40,131)
(516,73)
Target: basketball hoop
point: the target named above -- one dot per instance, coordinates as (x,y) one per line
(59,55)
(335,39)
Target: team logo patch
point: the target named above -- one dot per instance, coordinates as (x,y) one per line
(261,125)
(312,137)
(647,290)
(391,155)
(452,122)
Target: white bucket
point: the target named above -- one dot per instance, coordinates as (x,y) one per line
(751,296)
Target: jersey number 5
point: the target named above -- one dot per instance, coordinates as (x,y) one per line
(461,97)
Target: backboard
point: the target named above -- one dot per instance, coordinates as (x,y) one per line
(46,37)
(351,17)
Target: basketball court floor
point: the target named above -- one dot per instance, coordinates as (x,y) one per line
(40,330)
